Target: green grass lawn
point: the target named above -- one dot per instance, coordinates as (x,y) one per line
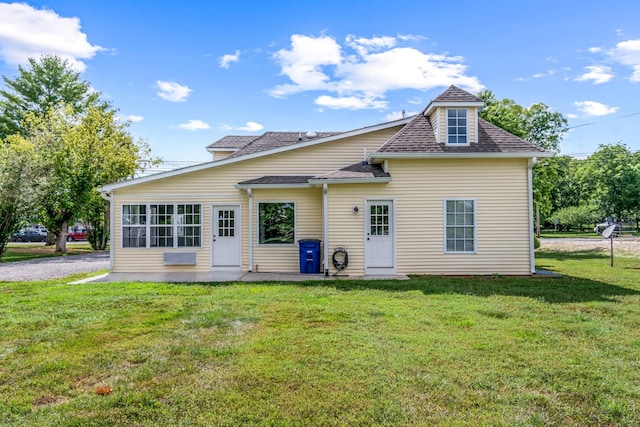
(427,351)
(25,251)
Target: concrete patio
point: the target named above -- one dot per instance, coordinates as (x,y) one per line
(230,276)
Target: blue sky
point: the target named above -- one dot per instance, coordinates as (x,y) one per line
(187,73)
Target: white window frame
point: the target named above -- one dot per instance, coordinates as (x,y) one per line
(468,136)
(177,225)
(475,224)
(295,223)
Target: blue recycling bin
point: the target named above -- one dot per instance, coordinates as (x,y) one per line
(309,256)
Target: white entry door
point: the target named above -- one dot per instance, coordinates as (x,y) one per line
(226,240)
(379,245)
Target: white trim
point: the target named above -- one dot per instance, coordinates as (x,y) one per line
(394,242)
(381,180)
(477,135)
(257,186)
(238,224)
(112,228)
(475,225)
(295,224)
(325,228)
(532,251)
(436,104)
(225,149)
(458,155)
(250,194)
(172,197)
(227,161)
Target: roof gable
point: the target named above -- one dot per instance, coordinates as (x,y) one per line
(232,141)
(455,94)
(418,138)
(271,140)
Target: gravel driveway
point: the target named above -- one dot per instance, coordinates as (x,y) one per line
(53,268)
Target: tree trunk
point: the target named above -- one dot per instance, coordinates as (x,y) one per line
(538,221)
(61,240)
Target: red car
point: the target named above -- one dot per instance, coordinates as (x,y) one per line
(72,236)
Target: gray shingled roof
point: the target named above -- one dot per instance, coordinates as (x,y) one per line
(455,94)
(271,140)
(233,141)
(278,179)
(356,170)
(418,137)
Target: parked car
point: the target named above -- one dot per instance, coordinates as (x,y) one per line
(28,236)
(72,236)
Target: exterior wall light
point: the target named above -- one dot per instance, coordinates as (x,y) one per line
(356,209)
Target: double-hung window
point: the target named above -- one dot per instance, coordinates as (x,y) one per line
(166,225)
(457,129)
(134,226)
(460,226)
(161,226)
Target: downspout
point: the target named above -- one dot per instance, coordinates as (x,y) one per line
(109,198)
(530,164)
(250,194)
(325,227)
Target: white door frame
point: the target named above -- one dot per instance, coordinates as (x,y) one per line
(238,235)
(392,230)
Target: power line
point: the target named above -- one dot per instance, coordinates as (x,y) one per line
(604,120)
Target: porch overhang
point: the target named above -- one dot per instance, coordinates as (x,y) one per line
(275,181)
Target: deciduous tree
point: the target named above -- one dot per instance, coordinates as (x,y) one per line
(81,152)
(613,173)
(41,85)
(19,180)
(537,124)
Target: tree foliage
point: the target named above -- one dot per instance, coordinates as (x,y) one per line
(19,175)
(576,216)
(537,124)
(613,175)
(80,152)
(41,85)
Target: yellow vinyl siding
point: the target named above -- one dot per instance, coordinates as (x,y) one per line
(418,189)
(217,186)
(308,225)
(499,188)
(221,155)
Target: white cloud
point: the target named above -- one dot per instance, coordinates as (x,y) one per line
(303,64)
(172,91)
(194,125)
(597,73)
(248,127)
(363,45)
(572,116)
(363,70)
(593,108)
(628,53)
(595,49)
(226,60)
(411,37)
(548,73)
(397,115)
(27,32)
(133,118)
(349,102)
